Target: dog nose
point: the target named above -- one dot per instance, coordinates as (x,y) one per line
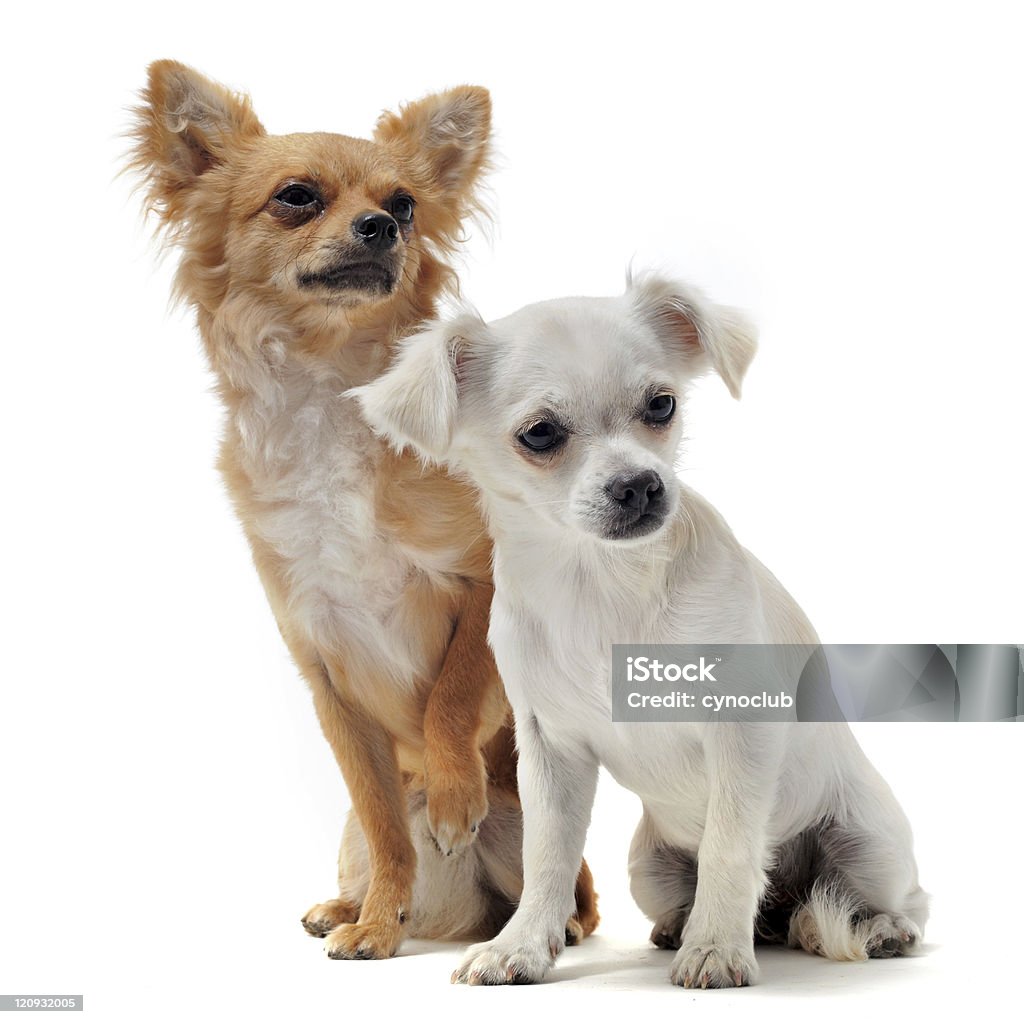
(635,490)
(377,230)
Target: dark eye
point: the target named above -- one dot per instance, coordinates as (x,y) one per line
(297,196)
(660,409)
(402,207)
(542,437)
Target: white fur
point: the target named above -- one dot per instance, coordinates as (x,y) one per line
(727,794)
(313,467)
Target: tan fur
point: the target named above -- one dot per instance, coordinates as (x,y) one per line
(377,568)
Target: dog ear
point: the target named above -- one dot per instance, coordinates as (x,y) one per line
(711,337)
(444,139)
(185,125)
(415,402)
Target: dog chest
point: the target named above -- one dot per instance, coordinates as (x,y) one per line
(561,670)
(312,470)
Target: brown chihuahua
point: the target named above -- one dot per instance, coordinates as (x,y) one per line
(305,258)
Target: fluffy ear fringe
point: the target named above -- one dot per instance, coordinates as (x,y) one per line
(449,132)
(444,140)
(415,402)
(710,336)
(182,128)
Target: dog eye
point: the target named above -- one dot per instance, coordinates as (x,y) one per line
(660,409)
(297,197)
(542,437)
(402,207)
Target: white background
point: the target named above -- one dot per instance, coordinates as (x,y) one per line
(850,173)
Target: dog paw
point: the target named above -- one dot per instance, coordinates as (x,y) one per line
(889,935)
(578,928)
(574,931)
(668,929)
(714,965)
(325,917)
(506,963)
(362,942)
(456,805)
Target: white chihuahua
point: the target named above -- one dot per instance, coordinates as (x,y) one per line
(566,416)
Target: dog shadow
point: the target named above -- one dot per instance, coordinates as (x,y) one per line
(601,961)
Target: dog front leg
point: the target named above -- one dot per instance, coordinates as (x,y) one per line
(466,699)
(365,753)
(557,790)
(717,948)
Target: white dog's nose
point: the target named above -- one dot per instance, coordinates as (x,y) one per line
(636,490)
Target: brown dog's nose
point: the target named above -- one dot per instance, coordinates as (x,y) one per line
(635,490)
(377,230)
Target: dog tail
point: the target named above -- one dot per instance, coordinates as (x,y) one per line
(828,923)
